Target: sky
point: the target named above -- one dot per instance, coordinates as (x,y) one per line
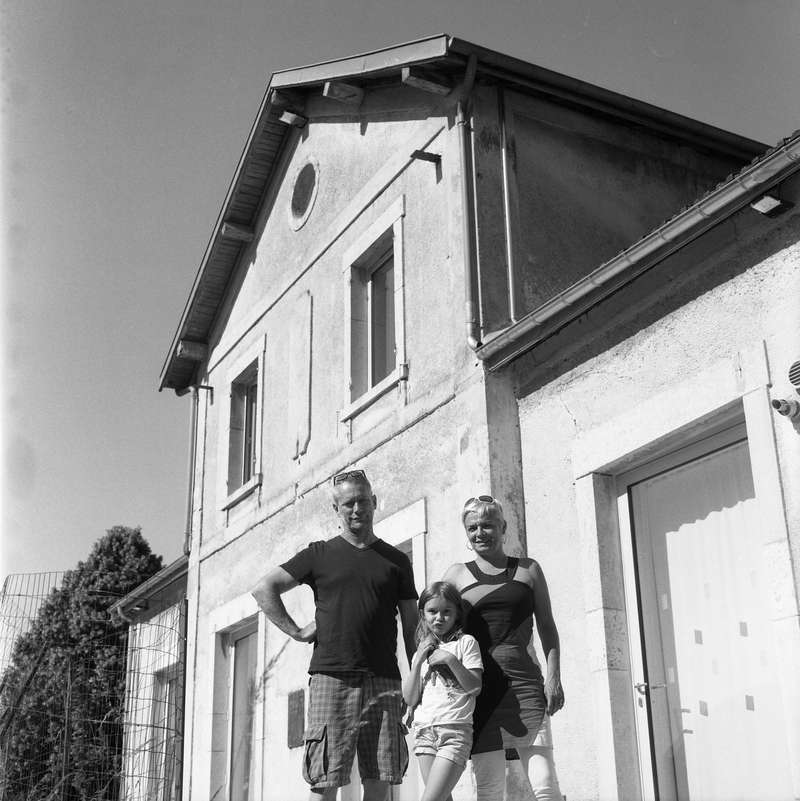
(121,126)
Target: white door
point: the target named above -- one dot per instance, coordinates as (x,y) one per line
(708,707)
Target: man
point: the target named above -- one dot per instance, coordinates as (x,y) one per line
(359,583)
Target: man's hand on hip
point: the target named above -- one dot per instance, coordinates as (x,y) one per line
(308,633)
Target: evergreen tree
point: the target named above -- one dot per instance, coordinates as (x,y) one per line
(62,697)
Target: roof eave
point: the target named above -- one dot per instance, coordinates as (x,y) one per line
(556,84)
(419,51)
(178,374)
(214,238)
(156,583)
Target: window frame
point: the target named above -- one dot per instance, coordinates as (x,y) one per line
(244,396)
(164,780)
(369,274)
(370,251)
(244,379)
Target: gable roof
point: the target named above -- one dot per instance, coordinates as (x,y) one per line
(449,57)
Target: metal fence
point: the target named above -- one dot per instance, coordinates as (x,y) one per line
(90,705)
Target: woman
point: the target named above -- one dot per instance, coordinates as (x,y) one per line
(503,594)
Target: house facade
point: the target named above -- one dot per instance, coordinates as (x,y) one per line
(450,268)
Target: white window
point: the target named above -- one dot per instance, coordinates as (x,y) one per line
(242,445)
(241,429)
(373,351)
(165,775)
(374,314)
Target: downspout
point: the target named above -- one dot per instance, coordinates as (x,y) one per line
(187,534)
(462,92)
(184,657)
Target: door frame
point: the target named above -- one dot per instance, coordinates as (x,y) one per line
(653,760)
(688,409)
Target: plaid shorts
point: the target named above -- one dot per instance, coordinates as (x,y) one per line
(354,712)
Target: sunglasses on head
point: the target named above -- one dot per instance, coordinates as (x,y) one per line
(480,499)
(350,475)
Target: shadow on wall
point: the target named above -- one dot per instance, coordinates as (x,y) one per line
(720,255)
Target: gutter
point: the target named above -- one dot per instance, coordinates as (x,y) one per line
(688,225)
(164,577)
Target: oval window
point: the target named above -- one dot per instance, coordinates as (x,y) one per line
(304,193)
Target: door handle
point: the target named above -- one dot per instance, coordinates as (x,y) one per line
(643,687)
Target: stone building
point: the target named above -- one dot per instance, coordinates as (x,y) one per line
(450,268)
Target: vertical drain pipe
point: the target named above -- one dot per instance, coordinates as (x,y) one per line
(187,534)
(467,205)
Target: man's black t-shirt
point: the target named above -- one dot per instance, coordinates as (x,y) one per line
(356,591)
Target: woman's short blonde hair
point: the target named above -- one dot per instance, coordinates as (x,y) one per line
(483,504)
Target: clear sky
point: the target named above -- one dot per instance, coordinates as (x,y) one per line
(122,124)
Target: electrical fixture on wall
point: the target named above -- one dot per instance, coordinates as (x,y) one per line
(770,205)
(790,408)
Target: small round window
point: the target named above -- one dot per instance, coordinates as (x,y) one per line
(304,193)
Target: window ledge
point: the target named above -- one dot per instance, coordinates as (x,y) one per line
(400,373)
(240,494)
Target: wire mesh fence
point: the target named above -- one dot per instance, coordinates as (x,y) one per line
(20,599)
(90,704)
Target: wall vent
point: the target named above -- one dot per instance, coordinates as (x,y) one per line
(794,375)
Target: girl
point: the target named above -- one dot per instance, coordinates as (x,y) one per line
(440,688)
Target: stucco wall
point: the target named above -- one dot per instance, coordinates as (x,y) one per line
(425,440)
(697,334)
(364,170)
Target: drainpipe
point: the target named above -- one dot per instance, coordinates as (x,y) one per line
(187,535)
(467,204)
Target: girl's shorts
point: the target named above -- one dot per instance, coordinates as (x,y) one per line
(451,741)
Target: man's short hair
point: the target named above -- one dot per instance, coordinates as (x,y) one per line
(352,476)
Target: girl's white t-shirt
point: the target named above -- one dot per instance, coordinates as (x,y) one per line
(444,700)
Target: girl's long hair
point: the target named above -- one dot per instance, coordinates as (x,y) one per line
(448,591)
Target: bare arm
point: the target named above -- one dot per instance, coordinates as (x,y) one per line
(468,678)
(268,596)
(409,616)
(548,634)
(412,690)
(453,574)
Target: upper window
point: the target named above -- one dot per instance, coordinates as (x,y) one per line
(241,431)
(243,442)
(373,351)
(374,321)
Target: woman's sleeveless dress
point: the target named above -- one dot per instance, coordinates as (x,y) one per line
(511,706)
